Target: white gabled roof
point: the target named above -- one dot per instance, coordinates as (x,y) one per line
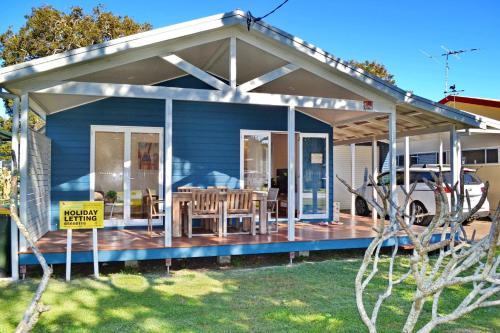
(85,54)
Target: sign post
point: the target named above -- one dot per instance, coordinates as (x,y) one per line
(81,215)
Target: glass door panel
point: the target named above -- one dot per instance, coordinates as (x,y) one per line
(109,162)
(144,171)
(256,161)
(314,174)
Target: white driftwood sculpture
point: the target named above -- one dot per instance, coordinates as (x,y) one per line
(456,259)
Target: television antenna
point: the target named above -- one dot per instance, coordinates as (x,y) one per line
(446,56)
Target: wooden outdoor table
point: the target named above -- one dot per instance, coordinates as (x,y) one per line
(180,198)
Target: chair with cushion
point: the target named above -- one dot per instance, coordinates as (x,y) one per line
(240,205)
(205,204)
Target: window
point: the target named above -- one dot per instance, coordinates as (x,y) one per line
(420,177)
(473,156)
(492,155)
(385,179)
(428,158)
(470,178)
(480,156)
(400,161)
(445,157)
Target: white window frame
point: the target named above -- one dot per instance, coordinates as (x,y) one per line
(484,149)
(244,132)
(127,131)
(325,136)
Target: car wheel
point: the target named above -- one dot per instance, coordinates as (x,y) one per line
(361,207)
(419,210)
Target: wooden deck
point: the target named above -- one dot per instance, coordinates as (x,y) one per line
(139,239)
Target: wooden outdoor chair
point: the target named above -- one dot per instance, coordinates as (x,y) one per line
(184,207)
(153,210)
(240,205)
(205,204)
(222,189)
(272,206)
(187,188)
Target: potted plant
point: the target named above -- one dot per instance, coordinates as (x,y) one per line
(110,196)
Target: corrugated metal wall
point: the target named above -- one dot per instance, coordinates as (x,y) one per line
(342,168)
(38,187)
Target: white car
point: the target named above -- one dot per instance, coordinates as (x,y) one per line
(423,199)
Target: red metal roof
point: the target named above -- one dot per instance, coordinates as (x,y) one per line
(472,100)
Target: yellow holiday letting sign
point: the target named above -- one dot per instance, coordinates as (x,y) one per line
(81,214)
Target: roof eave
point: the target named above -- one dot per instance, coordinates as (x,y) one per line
(39,66)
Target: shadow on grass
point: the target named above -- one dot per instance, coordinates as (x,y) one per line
(310,297)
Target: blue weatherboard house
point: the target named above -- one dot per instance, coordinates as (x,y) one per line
(202,104)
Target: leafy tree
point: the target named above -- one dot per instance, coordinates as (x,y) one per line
(48,31)
(376,69)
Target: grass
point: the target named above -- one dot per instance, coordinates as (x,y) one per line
(308,297)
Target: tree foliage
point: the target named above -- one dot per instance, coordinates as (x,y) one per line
(48,31)
(376,69)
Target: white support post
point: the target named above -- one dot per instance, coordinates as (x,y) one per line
(440,158)
(127,166)
(95,252)
(23,165)
(454,159)
(353,178)
(392,164)
(374,175)
(69,245)
(14,232)
(232,62)
(168,172)
(291,173)
(407,174)
(454,162)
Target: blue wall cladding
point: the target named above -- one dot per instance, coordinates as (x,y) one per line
(206,139)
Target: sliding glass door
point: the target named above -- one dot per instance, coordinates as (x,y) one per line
(125,162)
(313,198)
(109,172)
(256,155)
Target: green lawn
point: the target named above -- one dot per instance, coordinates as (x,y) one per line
(308,297)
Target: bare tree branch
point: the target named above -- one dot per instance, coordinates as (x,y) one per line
(36,307)
(460,261)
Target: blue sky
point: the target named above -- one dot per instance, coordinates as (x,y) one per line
(390,32)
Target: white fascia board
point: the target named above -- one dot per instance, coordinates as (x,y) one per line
(49,79)
(93,52)
(217,21)
(199,95)
(365,77)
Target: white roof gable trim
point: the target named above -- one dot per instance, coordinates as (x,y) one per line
(41,65)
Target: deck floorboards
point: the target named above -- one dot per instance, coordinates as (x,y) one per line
(137,239)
